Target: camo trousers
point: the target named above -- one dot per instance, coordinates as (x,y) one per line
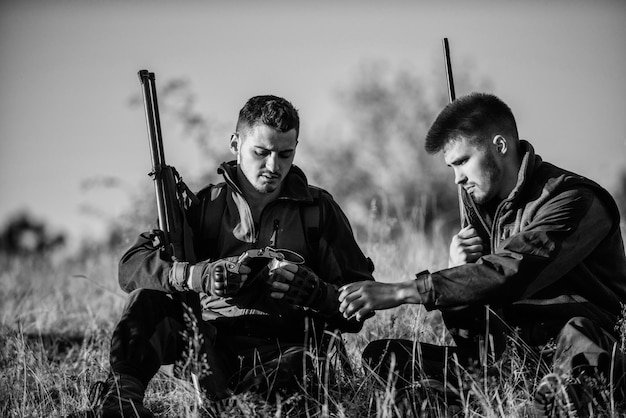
(156,329)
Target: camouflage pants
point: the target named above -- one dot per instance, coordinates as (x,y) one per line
(156,329)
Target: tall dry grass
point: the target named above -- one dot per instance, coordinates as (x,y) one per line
(57,318)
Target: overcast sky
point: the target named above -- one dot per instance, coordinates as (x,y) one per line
(68,69)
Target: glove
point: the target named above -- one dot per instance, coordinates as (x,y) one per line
(298,285)
(223,277)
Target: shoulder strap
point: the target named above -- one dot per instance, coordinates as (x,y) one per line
(312,218)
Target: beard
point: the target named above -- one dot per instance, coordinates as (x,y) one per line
(265,189)
(492,174)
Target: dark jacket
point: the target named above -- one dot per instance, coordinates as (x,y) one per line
(555,252)
(329,249)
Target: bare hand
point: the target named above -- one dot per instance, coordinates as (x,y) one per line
(466,247)
(361,299)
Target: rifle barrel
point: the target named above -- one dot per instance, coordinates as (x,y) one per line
(451,97)
(448,64)
(148,84)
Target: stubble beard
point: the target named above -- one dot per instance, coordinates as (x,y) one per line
(489,180)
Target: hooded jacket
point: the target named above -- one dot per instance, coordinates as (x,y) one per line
(554,251)
(334,255)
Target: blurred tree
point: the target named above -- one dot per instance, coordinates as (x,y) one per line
(374,157)
(139,215)
(183,121)
(23,235)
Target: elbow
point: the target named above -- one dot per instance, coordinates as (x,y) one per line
(123,278)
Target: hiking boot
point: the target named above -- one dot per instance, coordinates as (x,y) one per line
(557,398)
(120,396)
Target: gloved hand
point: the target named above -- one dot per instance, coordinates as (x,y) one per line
(300,286)
(223,277)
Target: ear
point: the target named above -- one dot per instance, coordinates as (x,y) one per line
(235,144)
(501,144)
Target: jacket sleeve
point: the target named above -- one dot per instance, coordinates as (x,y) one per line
(340,260)
(564,231)
(144,266)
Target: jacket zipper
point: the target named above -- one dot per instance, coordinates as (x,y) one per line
(495,235)
(274,237)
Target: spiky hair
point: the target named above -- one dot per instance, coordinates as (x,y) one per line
(269,110)
(477,116)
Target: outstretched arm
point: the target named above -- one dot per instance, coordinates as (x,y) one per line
(561,234)
(360,300)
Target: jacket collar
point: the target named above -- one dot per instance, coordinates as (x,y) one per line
(294,187)
(530,161)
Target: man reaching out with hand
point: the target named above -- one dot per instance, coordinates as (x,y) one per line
(542,248)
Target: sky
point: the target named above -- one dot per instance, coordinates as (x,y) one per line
(69,68)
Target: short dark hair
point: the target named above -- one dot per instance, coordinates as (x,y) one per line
(476,116)
(269,110)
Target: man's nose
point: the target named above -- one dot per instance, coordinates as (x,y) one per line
(272,162)
(459,177)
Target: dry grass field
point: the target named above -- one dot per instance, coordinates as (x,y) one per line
(57,317)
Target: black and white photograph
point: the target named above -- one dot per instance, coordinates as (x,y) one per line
(312,209)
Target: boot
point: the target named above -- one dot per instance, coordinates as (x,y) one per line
(122,396)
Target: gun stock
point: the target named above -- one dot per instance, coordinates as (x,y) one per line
(167,182)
